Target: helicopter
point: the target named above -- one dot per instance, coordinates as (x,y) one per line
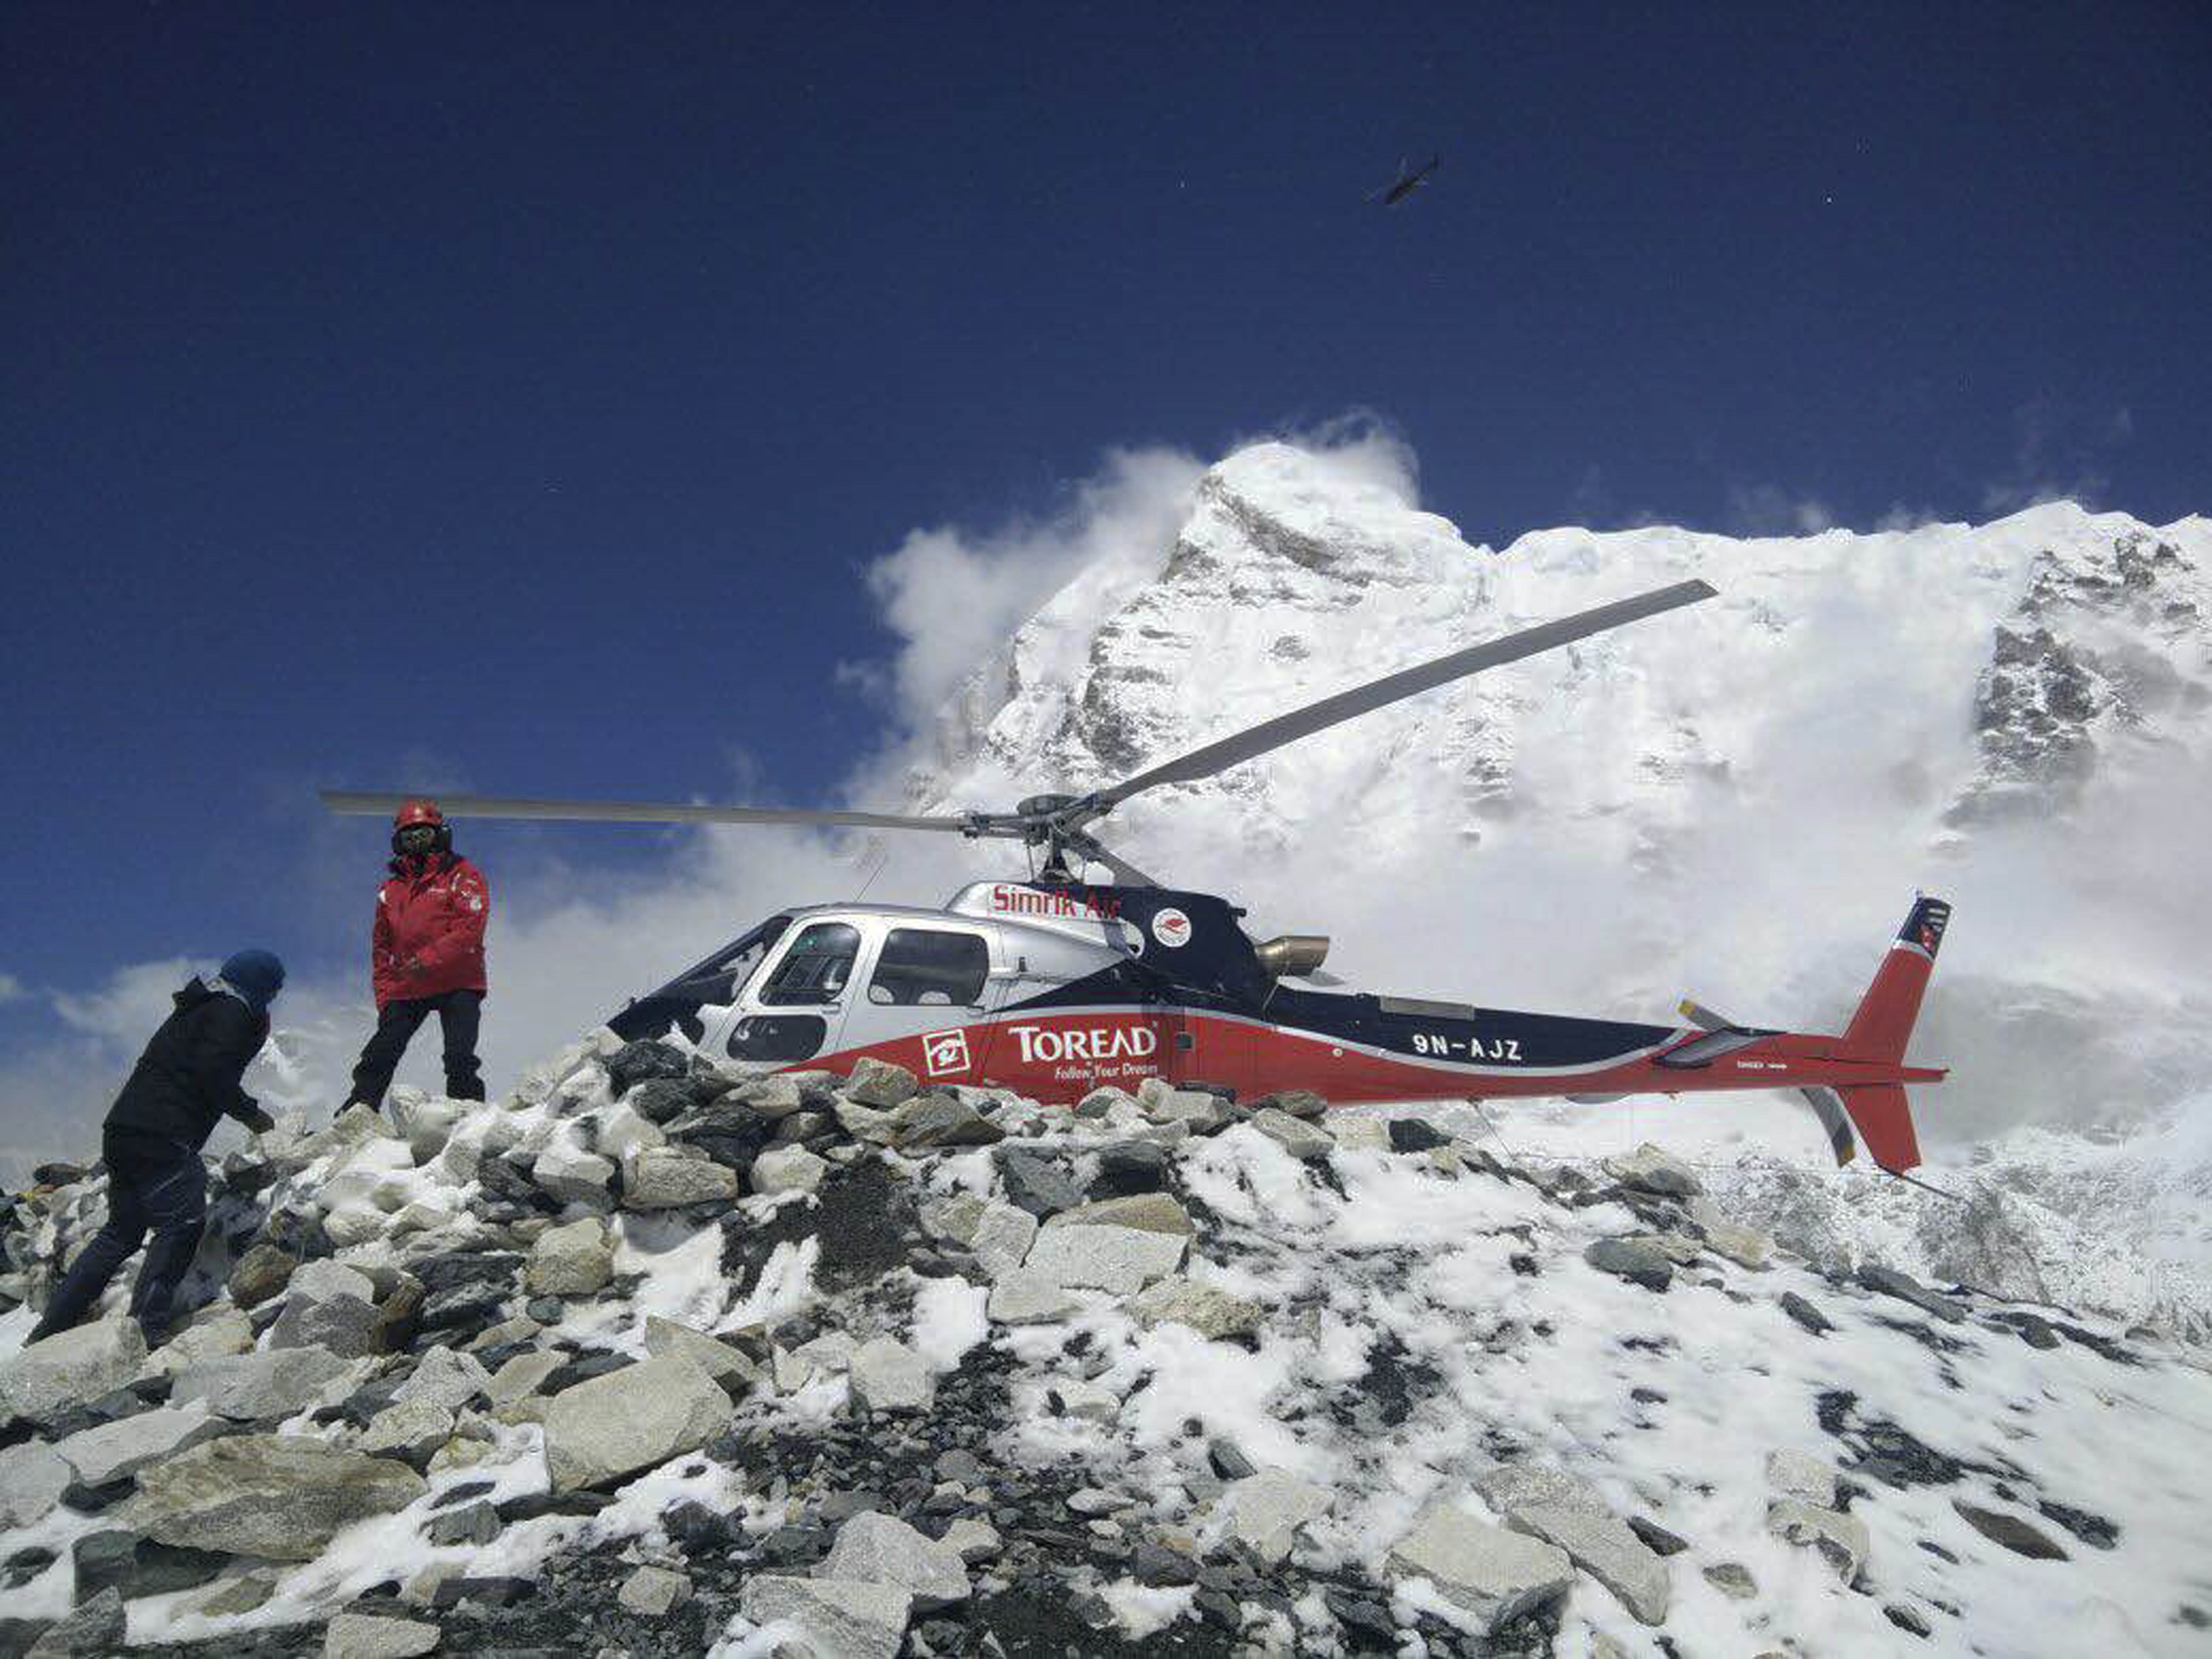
(1056,985)
(1409,179)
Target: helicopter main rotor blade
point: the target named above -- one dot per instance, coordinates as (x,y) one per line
(1258,740)
(634,812)
(1826,1105)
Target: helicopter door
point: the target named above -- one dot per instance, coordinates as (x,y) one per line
(926,987)
(800,1008)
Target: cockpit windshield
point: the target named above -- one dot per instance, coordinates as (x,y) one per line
(716,982)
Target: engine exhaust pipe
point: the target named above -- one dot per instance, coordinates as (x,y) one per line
(1289,955)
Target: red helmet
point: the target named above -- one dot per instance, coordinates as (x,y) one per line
(421,814)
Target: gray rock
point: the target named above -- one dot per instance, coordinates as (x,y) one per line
(1074,1397)
(577,1260)
(786,1170)
(940,1122)
(32,1478)
(1732,1579)
(880,1549)
(1227,1460)
(1300,1138)
(661,1178)
(654,1592)
(1806,1314)
(1639,1261)
(365,1636)
(284,1497)
(1151,1212)
(472,1524)
(1650,1170)
(123,1447)
(137,1566)
(848,1619)
(2009,1531)
(1208,1309)
(1122,1260)
(732,1369)
(92,1630)
(250,1387)
(412,1432)
(1022,1298)
(1301,1103)
(1603,1545)
(1494,1574)
(1200,1113)
(972,1540)
(69,1369)
(522,1376)
(879,1083)
(445,1378)
(1887,1281)
(261,1273)
(1799,1474)
(1841,1539)
(889,1377)
(1037,1184)
(775,1097)
(343,1324)
(1509,1486)
(1267,1511)
(634,1419)
(573,1176)
(1000,1238)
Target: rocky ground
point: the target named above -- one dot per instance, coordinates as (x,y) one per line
(654,1358)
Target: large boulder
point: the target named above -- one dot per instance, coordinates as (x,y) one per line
(889,1377)
(69,1369)
(786,1170)
(251,1387)
(329,1305)
(851,1618)
(725,1365)
(634,1419)
(1206,1309)
(1001,1238)
(1639,1260)
(576,1259)
(1151,1212)
(879,1083)
(1022,1298)
(366,1636)
(1603,1545)
(123,1447)
(573,1176)
(1887,1281)
(445,1378)
(411,1431)
(1300,1138)
(661,1178)
(1267,1509)
(284,1497)
(1496,1574)
(261,1273)
(32,1478)
(882,1549)
(1650,1170)
(1122,1260)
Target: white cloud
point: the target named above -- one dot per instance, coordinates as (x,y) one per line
(1765,509)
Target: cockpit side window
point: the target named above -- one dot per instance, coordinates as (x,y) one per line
(924,966)
(816,967)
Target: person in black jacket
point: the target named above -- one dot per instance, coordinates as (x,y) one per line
(186,1080)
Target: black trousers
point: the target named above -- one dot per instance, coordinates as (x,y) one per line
(396,1025)
(153,1183)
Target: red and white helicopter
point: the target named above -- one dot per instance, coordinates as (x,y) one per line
(1053,985)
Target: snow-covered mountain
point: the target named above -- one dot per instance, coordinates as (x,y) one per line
(1735,801)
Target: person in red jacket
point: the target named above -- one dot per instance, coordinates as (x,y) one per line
(426,956)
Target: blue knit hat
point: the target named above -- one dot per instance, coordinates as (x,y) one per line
(256,975)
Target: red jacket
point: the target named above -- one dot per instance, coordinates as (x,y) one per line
(432,912)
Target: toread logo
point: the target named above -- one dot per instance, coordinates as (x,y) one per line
(945,1053)
(1171,927)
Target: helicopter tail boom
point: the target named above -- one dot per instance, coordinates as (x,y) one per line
(1883,1025)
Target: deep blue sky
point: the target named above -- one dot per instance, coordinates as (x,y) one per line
(520,389)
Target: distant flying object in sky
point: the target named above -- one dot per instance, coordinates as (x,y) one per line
(1409,179)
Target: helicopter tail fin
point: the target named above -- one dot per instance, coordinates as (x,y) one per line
(1881,1028)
